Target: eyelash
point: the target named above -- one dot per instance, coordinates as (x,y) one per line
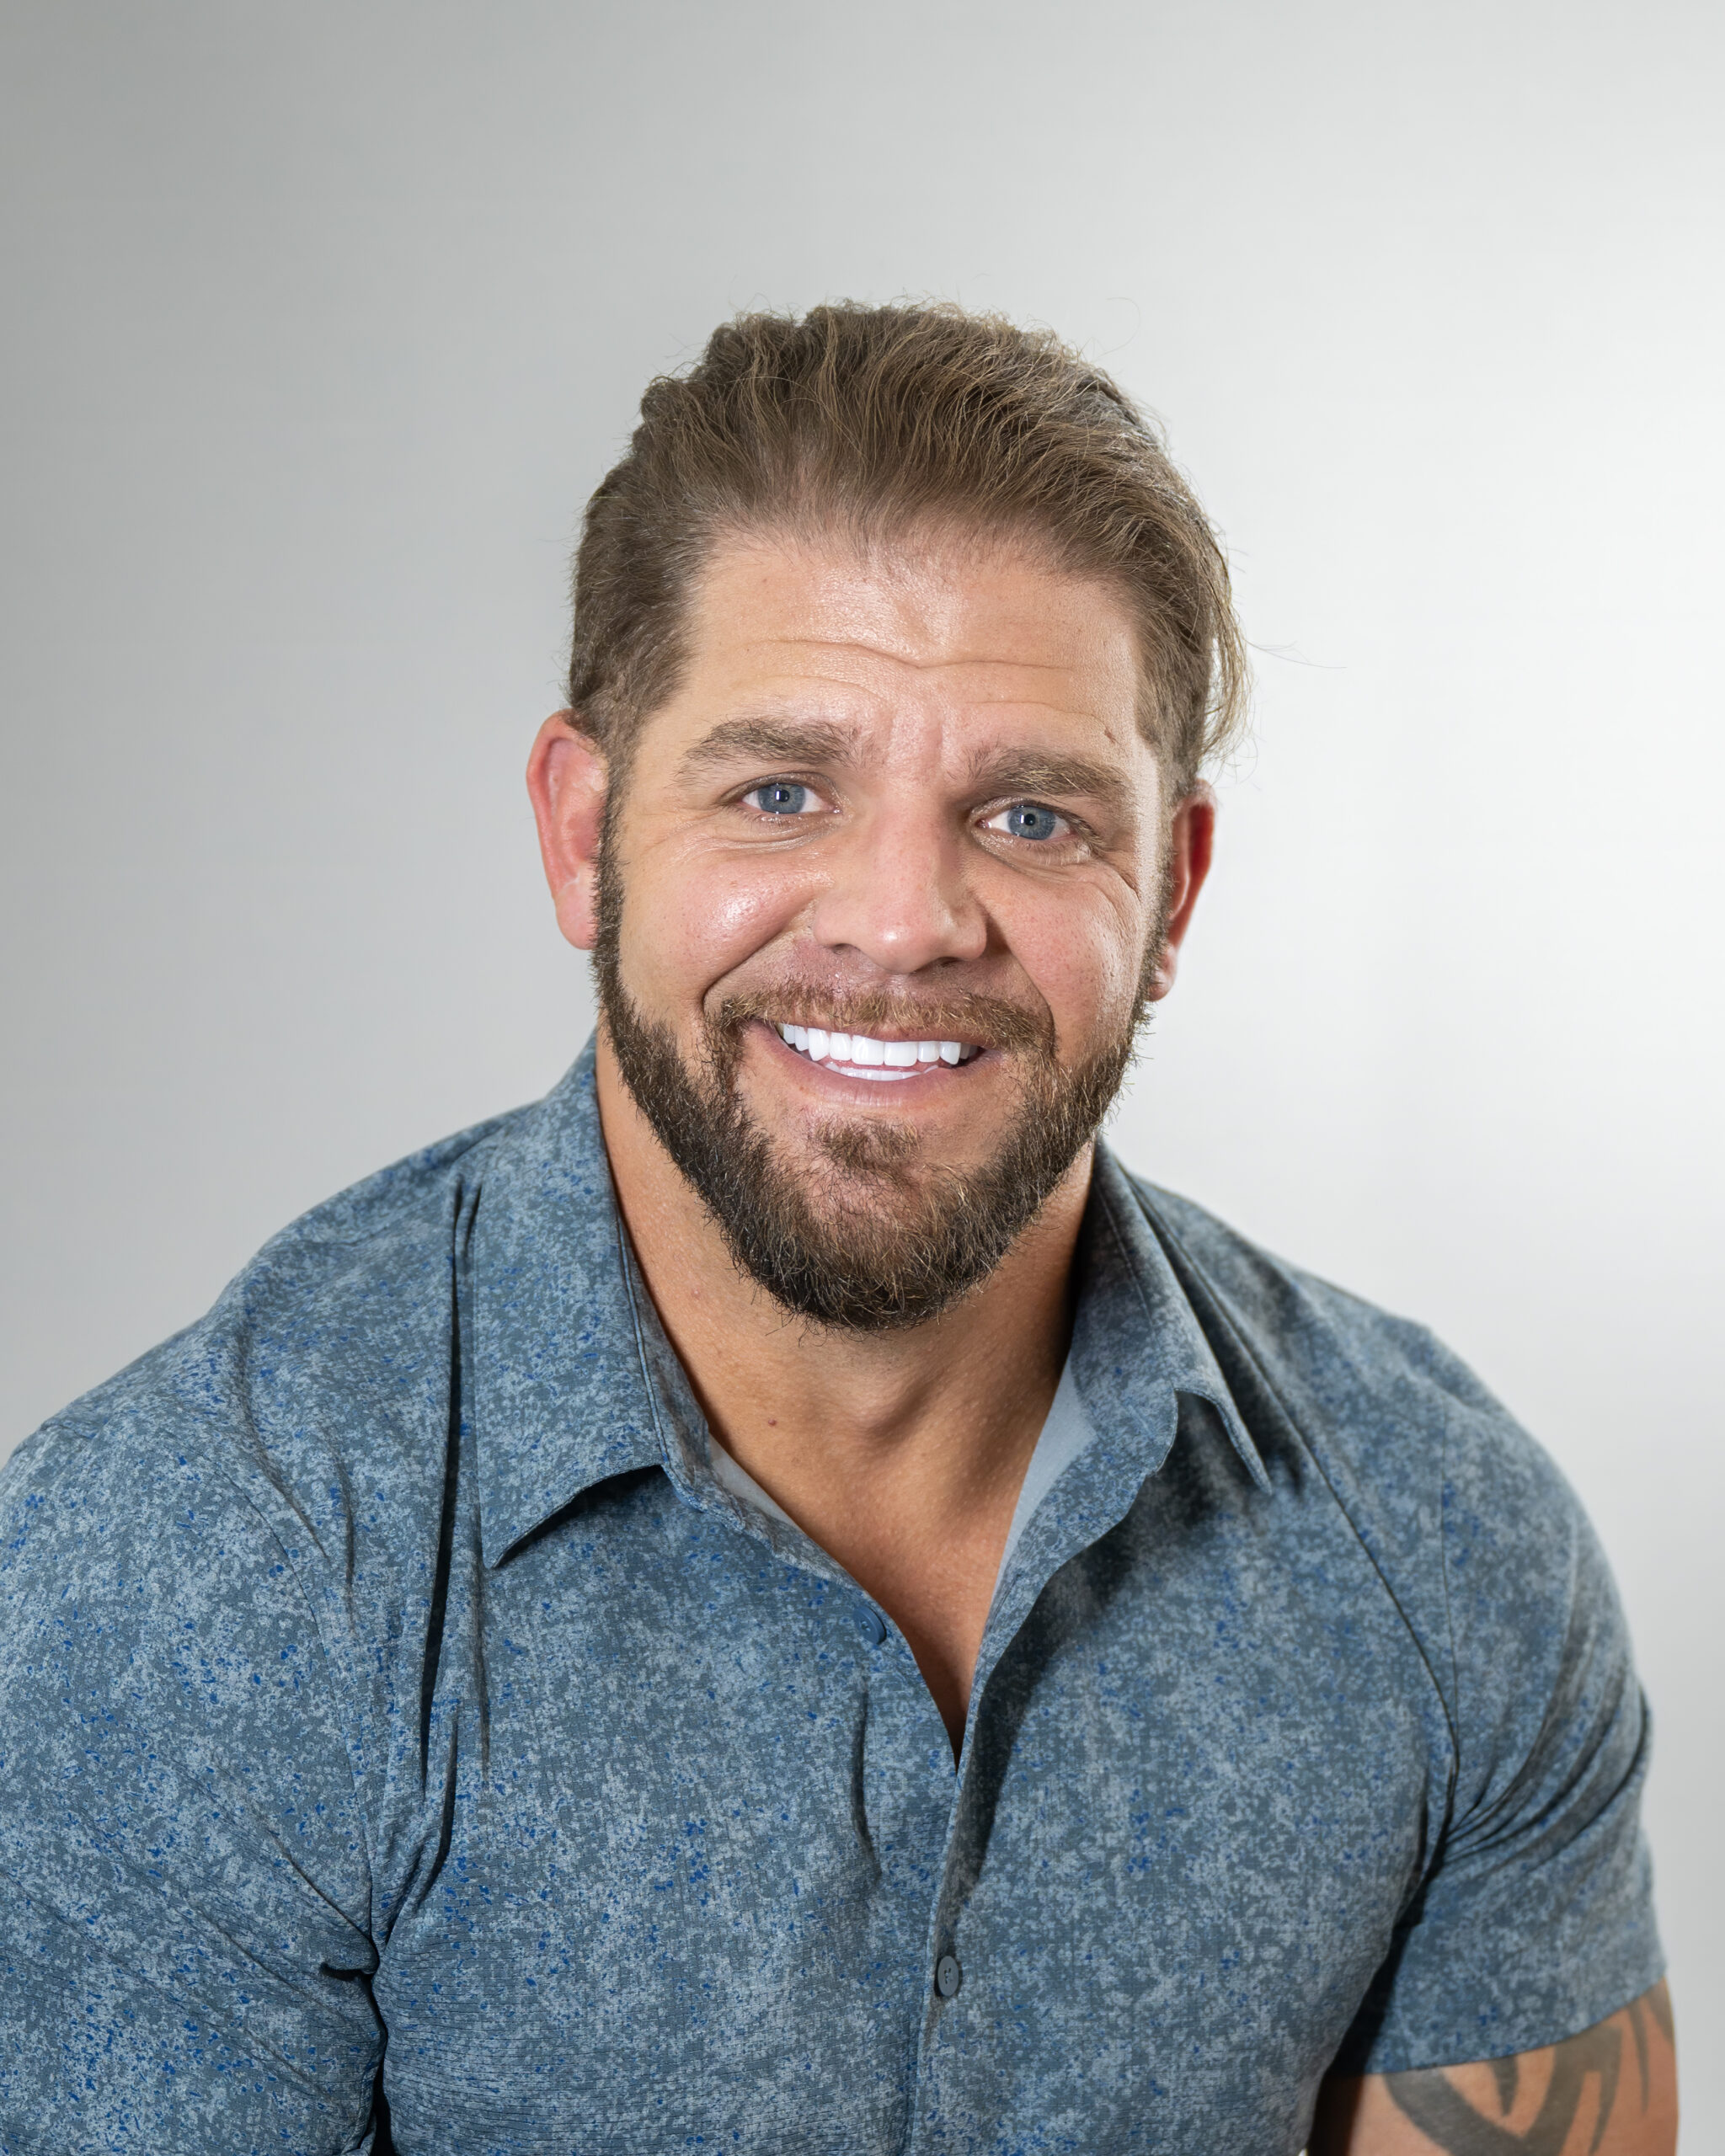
(1076,828)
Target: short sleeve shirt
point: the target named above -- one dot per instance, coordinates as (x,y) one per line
(408,1741)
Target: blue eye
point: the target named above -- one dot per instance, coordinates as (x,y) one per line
(1029,819)
(779,797)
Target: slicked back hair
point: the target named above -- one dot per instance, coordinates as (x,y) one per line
(869,424)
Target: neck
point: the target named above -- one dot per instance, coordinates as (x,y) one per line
(901,1452)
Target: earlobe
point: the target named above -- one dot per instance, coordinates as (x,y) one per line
(577,904)
(566,783)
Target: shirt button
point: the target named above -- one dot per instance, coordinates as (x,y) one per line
(869,1625)
(947,1976)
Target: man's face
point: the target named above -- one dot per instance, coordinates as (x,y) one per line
(900,808)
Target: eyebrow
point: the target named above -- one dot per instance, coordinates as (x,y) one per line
(767,740)
(774,740)
(1033,772)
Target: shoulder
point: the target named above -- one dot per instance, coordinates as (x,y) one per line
(1472,1527)
(1338,1344)
(1379,1394)
(320,1375)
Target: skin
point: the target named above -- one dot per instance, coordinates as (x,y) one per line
(917,694)
(1609,2091)
(921,685)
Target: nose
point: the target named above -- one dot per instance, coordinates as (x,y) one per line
(899,894)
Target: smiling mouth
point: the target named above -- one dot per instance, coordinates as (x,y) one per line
(861,1055)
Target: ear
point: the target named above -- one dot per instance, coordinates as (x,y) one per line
(1192,833)
(566,783)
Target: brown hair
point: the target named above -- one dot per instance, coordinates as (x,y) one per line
(875,419)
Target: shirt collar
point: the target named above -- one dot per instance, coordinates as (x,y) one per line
(1138,1345)
(562,1394)
(561,1398)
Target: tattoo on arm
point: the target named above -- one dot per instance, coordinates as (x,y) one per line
(1444,2115)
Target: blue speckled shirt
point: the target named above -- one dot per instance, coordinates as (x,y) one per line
(410,1741)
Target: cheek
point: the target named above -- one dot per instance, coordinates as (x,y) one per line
(692,917)
(1083,950)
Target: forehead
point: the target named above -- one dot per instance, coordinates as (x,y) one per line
(946,625)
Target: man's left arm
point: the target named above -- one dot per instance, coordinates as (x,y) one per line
(1609,2091)
(1521,2004)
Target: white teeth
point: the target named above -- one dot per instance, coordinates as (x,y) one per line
(862,1051)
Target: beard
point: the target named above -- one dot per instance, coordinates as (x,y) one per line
(867,1235)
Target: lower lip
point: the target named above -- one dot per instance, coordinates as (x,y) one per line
(872,1076)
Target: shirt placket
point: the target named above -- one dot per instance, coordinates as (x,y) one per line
(929,1818)
(1096,1493)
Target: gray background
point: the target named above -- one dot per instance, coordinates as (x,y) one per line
(322,321)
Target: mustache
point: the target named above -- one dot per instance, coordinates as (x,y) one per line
(984,1021)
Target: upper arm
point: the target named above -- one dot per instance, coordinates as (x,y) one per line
(1609,2091)
(184,1948)
(1533,1916)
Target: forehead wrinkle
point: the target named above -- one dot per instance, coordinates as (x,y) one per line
(933,663)
(994,695)
(760,598)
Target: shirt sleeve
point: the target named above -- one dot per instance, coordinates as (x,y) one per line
(184,1896)
(1535,1917)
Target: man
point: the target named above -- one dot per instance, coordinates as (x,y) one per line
(779,1599)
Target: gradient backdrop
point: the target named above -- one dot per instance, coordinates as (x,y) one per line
(323,321)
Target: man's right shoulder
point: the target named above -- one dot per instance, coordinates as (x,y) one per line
(315,1388)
